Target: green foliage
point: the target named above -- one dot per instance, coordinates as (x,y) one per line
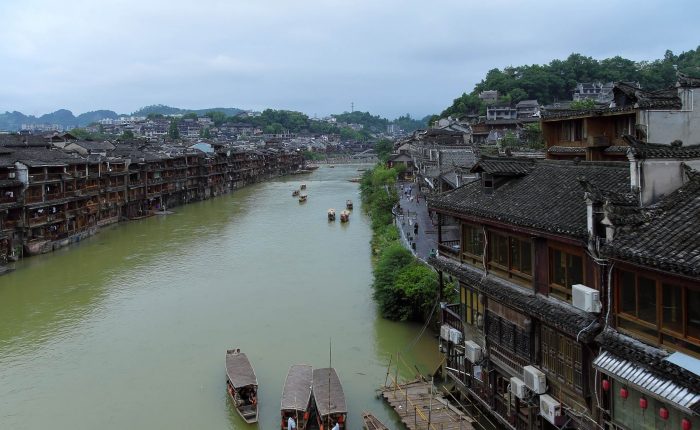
(533,135)
(206,133)
(510,140)
(403,288)
(190,115)
(310,155)
(372,123)
(217,117)
(585,104)
(555,81)
(383,148)
(173,132)
(408,124)
(127,135)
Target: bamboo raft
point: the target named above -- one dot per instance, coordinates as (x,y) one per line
(419,410)
(370,422)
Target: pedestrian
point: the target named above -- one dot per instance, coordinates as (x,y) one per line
(291,424)
(336,426)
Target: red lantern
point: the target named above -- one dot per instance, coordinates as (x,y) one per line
(624,393)
(686,424)
(663,413)
(606,385)
(643,403)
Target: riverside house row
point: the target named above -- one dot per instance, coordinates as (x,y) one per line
(50,197)
(579,289)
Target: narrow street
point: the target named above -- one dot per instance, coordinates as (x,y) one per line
(412,210)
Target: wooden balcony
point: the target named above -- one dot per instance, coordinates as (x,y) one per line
(450,248)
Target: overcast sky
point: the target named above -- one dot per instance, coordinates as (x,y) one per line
(315,56)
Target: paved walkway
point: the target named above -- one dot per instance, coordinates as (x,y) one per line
(413,209)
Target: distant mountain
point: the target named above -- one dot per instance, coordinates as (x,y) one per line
(13,121)
(169,110)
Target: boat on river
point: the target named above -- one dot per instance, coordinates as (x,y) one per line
(370,422)
(344,216)
(355,180)
(296,396)
(302,186)
(329,399)
(303,197)
(242,385)
(295,193)
(331,214)
(348,204)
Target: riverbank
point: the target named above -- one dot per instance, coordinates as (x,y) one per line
(405,288)
(53,198)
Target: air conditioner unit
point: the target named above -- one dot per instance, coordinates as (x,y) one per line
(586,299)
(518,387)
(550,409)
(445,332)
(534,379)
(472,351)
(455,336)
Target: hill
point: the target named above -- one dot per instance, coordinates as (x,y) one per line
(555,81)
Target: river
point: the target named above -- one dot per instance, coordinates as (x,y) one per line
(129,328)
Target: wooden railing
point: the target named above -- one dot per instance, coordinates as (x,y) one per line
(450,248)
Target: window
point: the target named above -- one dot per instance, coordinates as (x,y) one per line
(561,358)
(660,311)
(565,270)
(510,254)
(472,242)
(473,307)
(487,182)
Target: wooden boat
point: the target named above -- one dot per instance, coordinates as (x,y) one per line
(295,193)
(296,396)
(302,186)
(348,204)
(242,385)
(370,422)
(302,197)
(344,216)
(329,399)
(355,180)
(331,214)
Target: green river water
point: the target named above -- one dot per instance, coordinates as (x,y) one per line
(128,329)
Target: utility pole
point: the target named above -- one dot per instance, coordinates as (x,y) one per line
(352,107)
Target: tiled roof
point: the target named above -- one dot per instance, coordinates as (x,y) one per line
(463,158)
(654,150)
(688,81)
(504,166)
(565,318)
(651,360)
(548,198)
(566,150)
(666,235)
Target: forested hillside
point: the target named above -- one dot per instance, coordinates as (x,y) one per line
(556,80)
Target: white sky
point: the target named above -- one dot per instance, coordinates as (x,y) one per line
(389,57)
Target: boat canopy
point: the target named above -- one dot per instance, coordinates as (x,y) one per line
(329,400)
(297,388)
(239,371)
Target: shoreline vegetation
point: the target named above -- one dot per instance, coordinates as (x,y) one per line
(404,288)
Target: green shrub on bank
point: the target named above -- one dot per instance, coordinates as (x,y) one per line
(404,288)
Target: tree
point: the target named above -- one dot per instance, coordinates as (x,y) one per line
(190,115)
(206,134)
(585,104)
(383,148)
(173,131)
(217,117)
(127,135)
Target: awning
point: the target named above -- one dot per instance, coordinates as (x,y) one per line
(649,382)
